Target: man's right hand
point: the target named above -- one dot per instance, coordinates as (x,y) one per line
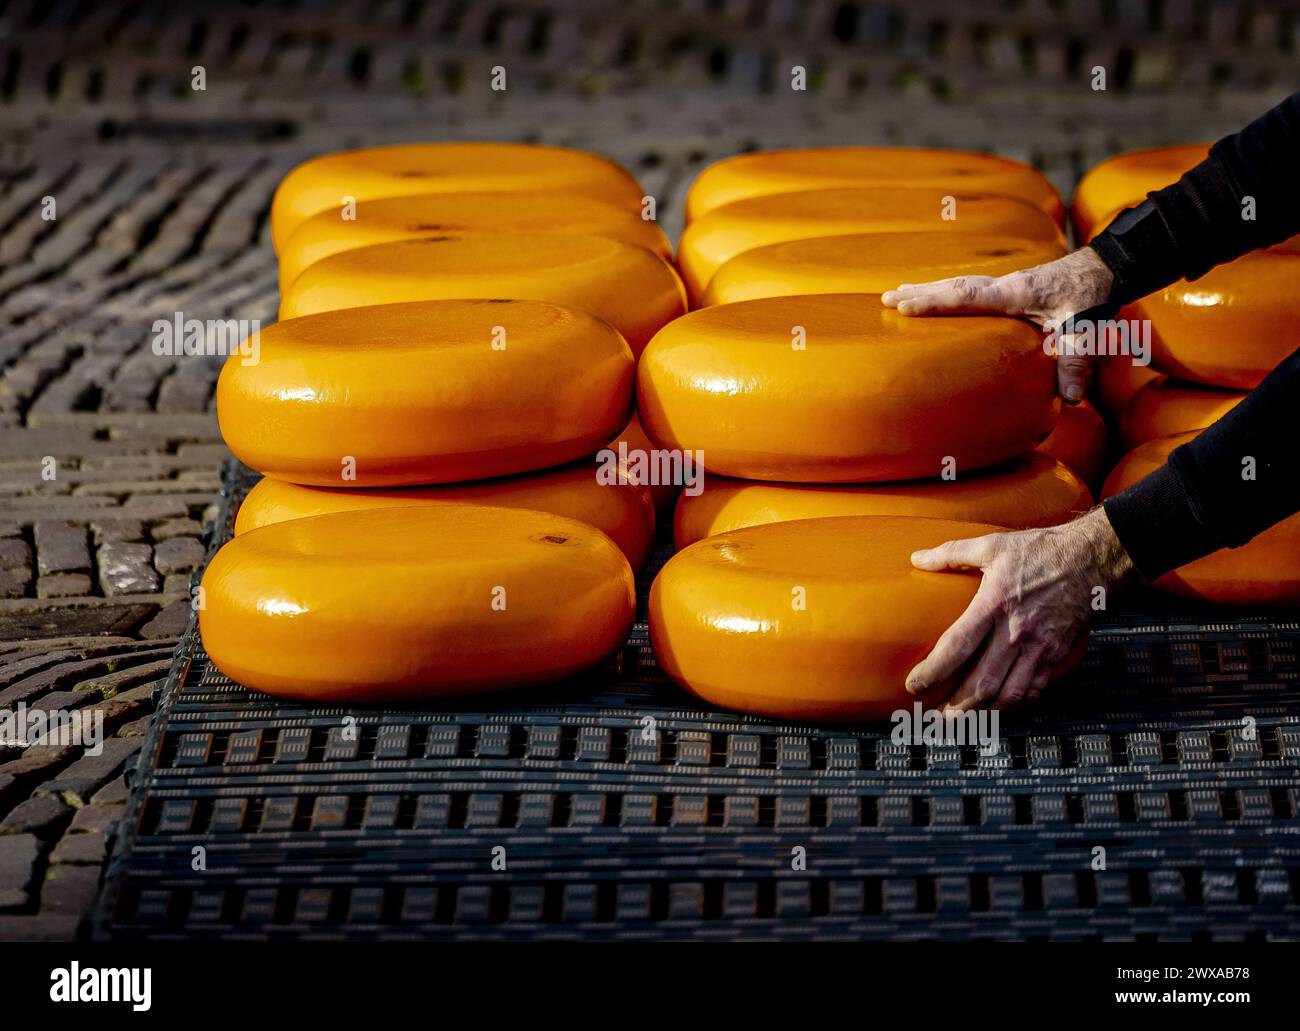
(1046,294)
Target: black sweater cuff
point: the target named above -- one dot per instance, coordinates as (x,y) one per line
(1156,521)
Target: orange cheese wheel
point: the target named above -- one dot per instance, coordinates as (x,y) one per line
(723,233)
(870,263)
(407,394)
(1079,442)
(1231,327)
(1167,407)
(1124,182)
(442,214)
(813,168)
(627,286)
(837,388)
(1263,571)
(329,181)
(1118,379)
(817,619)
(410,603)
(1033,491)
(622,511)
(635,440)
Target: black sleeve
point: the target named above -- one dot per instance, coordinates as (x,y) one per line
(1199,501)
(1184,230)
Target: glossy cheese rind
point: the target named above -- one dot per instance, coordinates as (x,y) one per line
(1263,571)
(1168,407)
(438,214)
(1231,327)
(1124,182)
(627,286)
(330,180)
(634,438)
(620,510)
(870,263)
(870,395)
(409,394)
(1118,379)
(414,603)
(722,234)
(1033,491)
(817,619)
(1079,442)
(812,168)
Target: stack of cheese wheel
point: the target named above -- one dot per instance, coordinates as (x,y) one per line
(838,435)
(1263,571)
(1212,341)
(458,336)
(1214,338)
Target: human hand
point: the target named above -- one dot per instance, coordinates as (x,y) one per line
(1032,609)
(1045,294)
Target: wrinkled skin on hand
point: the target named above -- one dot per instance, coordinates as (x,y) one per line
(1033,606)
(1045,294)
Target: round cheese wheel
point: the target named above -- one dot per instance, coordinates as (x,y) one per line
(635,440)
(408,394)
(837,388)
(817,619)
(414,603)
(1079,442)
(332,180)
(1231,327)
(732,229)
(870,263)
(1032,491)
(1167,407)
(1263,571)
(1118,379)
(623,511)
(814,168)
(627,286)
(441,214)
(1124,182)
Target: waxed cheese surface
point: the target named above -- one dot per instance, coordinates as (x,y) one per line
(332,180)
(810,168)
(434,392)
(817,619)
(625,285)
(838,388)
(414,603)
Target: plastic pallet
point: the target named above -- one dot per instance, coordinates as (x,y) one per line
(625,810)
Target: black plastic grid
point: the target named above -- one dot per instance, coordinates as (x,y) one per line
(312,826)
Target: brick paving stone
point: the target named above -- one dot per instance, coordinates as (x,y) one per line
(45,927)
(177,555)
(127,706)
(88,774)
(62,585)
(171,528)
(15,553)
(60,547)
(114,529)
(171,621)
(36,765)
(45,817)
(114,791)
(69,890)
(19,854)
(14,582)
(91,847)
(98,616)
(127,569)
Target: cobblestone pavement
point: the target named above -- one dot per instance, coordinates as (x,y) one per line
(128,194)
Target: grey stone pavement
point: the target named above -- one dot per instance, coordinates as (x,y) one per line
(158,192)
